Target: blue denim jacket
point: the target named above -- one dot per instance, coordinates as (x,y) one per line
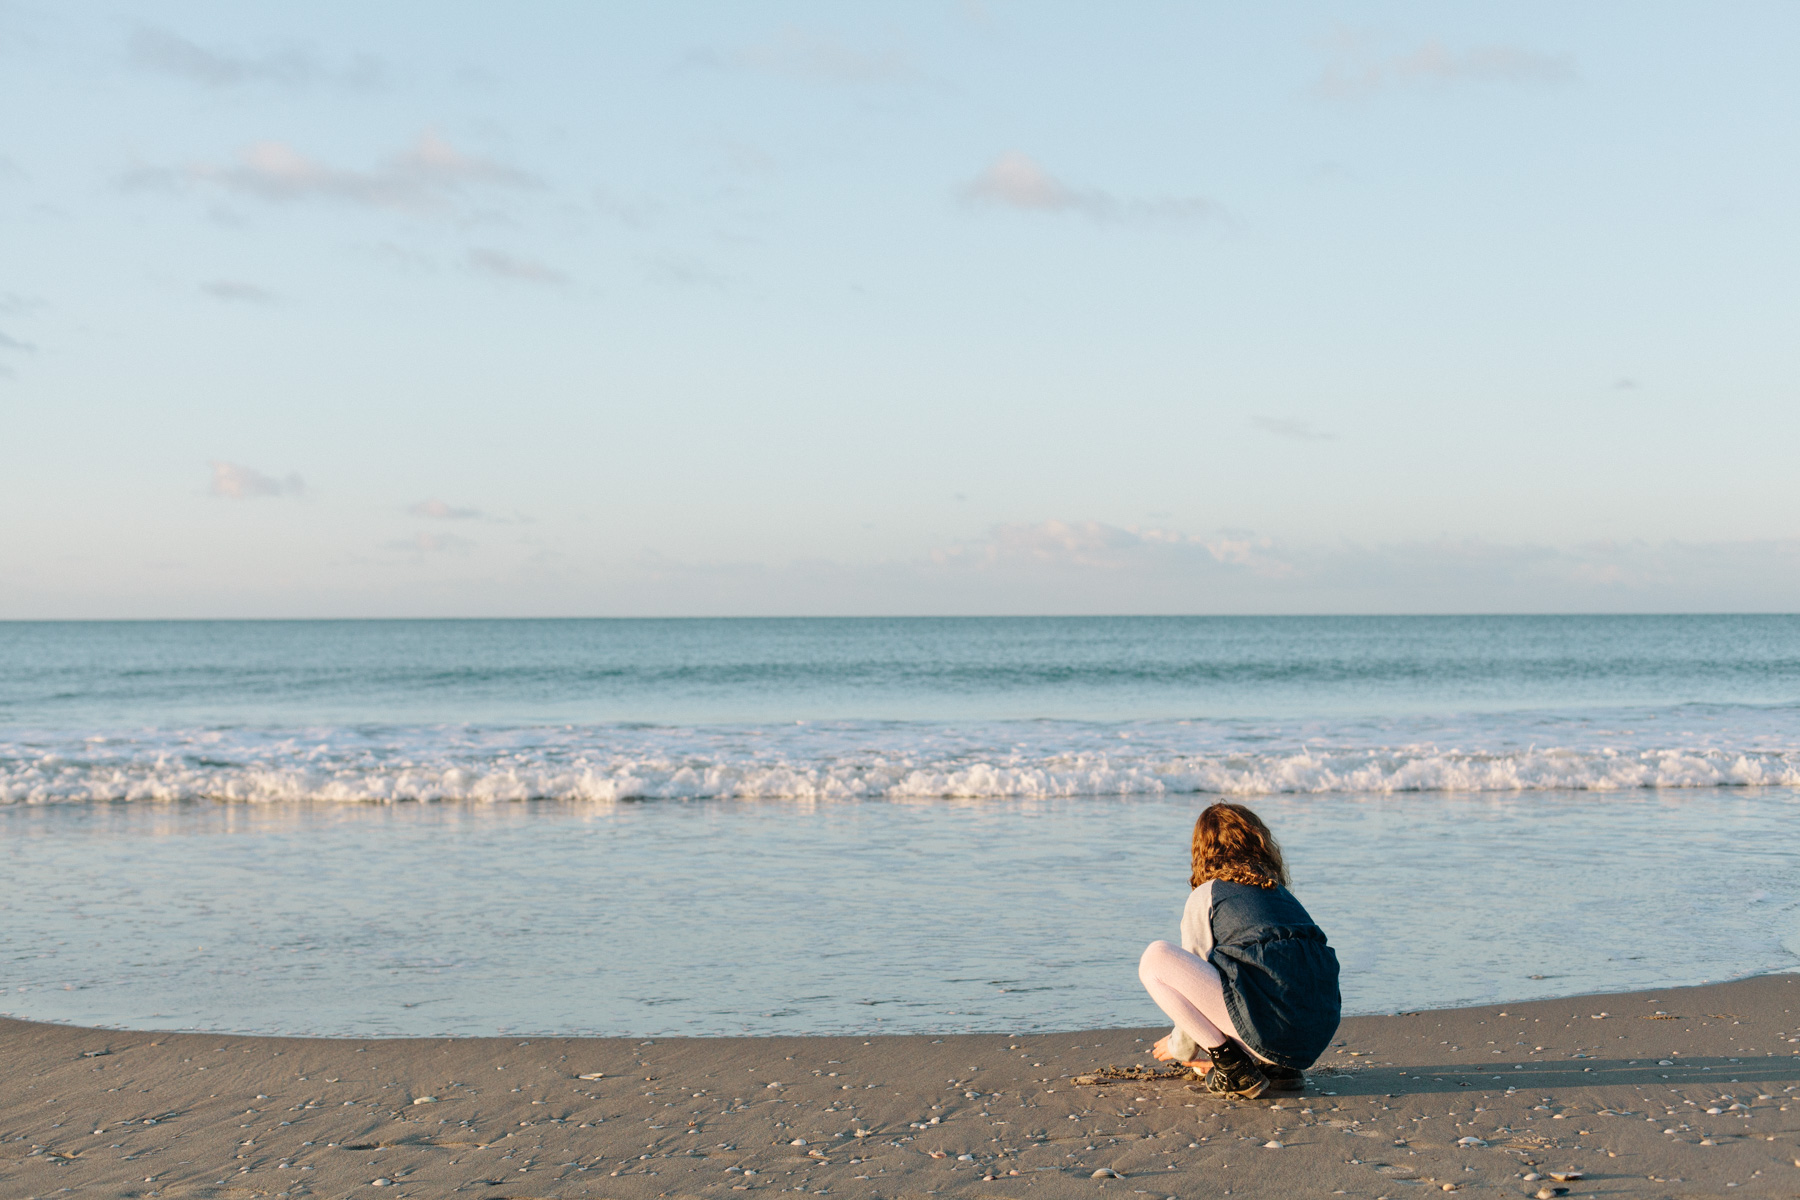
(1281,979)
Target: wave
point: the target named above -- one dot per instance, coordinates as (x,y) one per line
(618,764)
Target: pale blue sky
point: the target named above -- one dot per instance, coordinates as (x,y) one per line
(483,309)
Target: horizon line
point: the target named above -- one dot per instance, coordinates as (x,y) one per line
(920,617)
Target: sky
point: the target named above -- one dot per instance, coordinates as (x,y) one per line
(458,309)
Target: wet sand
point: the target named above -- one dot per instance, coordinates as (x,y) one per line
(1682,1092)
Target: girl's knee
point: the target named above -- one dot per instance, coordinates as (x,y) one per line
(1155,954)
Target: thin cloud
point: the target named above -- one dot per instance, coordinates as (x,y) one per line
(636,214)
(816,57)
(235,481)
(162,50)
(1017,181)
(1092,567)
(1294,430)
(438,510)
(499,265)
(402,258)
(683,271)
(13,302)
(743,158)
(1357,68)
(423,177)
(8,342)
(1099,546)
(237,291)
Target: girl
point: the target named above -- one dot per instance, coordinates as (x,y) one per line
(1253,984)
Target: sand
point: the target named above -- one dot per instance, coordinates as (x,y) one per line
(1683,1092)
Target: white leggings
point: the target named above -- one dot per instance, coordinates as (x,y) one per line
(1189,989)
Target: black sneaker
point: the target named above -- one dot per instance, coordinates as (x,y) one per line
(1234,1073)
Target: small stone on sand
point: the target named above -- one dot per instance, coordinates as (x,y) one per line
(1106,1173)
(1272,1146)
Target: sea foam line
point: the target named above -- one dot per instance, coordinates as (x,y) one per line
(54,778)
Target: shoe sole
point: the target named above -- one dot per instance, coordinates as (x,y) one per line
(1242,1094)
(1296,1084)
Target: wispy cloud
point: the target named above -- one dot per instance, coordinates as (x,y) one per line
(425,176)
(1096,545)
(683,270)
(816,57)
(1295,430)
(1094,566)
(498,265)
(238,291)
(640,213)
(9,342)
(438,510)
(1358,67)
(1017,181)
(235,481)
(405,259)
(162,50)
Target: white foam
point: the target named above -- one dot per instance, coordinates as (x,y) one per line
(839,763)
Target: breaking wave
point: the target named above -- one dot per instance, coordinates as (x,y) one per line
(871,761)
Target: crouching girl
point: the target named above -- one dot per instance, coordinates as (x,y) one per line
(1253,987)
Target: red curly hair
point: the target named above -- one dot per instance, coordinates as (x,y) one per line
(1232,843)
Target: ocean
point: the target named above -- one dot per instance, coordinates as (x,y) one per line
(819,825)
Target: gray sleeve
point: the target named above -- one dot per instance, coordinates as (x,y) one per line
(1196,921)
(1196,938)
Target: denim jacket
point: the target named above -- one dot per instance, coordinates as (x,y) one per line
(1280,976)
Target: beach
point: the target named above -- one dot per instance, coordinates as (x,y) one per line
(1680,1092)
(647,909)
(660,601)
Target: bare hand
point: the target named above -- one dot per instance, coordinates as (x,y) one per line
(1162,1053)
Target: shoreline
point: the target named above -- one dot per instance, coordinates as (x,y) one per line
(1617,1087)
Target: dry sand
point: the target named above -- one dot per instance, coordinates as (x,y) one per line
(1683,1092)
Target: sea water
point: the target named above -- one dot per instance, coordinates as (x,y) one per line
(663,827)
